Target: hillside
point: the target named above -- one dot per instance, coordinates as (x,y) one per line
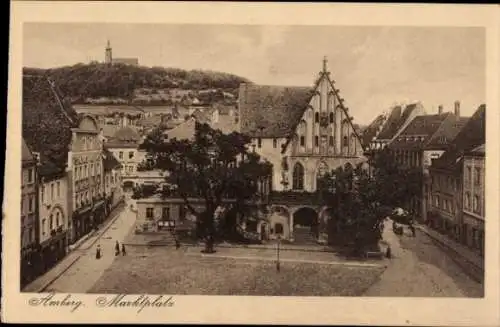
(82,82)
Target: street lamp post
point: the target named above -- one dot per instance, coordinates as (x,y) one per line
(278,254)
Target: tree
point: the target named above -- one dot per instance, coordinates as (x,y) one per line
(354,199)
(212,166)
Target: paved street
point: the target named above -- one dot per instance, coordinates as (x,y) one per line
(420,268)
(81,276)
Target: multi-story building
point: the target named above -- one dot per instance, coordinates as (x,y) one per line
(29,239)
(53,213)
(474,198)
(445,206)
(124,145)
(85,177)
(112,181)
(426,138)
(303,131)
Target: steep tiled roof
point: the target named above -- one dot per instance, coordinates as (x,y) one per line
(371,130)
(201,116)
(446,132)
(109,130)
(184,131)
(109,162)
(26,154)
(396,120)
(271,111)
(47,121)
(419,132)
(226,124)
(125,137)
(471,136)
(479,150)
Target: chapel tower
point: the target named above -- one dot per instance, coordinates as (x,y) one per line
(108,54)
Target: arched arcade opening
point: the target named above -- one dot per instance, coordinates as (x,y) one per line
(305,225)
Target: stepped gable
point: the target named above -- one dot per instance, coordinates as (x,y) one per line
(47,122)
(472,136)
(272,111)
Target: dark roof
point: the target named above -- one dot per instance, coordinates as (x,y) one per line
(396,120)
(109,162)
(47,121)
(471,136)
(419,131)
(26,154)
(371,130)
(272,111)
(447,132)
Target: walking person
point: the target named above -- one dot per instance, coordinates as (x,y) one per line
(98,252)
(123,249)
(117,248)
(388,252)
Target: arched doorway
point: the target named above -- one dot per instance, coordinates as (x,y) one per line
(305,225)
(279,223)
(298,177)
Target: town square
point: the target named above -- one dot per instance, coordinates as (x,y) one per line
(159,169)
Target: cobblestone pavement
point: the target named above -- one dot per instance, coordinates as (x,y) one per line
(87,270)
(419,268)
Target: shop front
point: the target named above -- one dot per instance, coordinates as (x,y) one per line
(54,249)
(98,213)
(82,223)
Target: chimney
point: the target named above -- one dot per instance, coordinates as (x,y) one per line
(440,109)
(457,108)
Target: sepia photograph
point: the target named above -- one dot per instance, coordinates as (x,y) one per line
(265,160)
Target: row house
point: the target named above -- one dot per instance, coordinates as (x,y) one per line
(456,206)
(426,138)
(85,177)
(303,132)
(474,198)
(29,214)
(112,181)
(124,145)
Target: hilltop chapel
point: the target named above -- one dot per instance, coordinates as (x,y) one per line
(303,131)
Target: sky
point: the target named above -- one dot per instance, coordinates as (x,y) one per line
(374,67)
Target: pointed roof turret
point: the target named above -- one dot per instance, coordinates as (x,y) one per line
(325,64)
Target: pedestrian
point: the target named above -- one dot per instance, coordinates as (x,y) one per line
(117,248)
(412,229)
(123,249)
(177,244)
(98,252)
(388,253)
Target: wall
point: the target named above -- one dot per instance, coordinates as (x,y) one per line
(129,159)
(28,205)
(53,206)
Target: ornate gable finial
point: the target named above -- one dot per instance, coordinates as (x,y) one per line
(325,62)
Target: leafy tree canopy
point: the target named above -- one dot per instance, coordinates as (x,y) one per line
(212,165)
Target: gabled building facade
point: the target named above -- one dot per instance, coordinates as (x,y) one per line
(426,138)
(304,132)
(112,181)
(449,180)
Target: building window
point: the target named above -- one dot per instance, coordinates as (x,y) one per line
(120,155)
(149,213)
(278,229)
(43,226)
(331,140)
(58,189)
(298,177)
(476,204)
(331,117)
(477,176)
(302,140)
(436,201)
(43,193)
(131,155)
(467,200)
(275,143)
(345,141)
(259,142)
(51,191)
(316,117)
(468,173)
(316,141)
(31,176)
(165,214)
(57,219)
(51,222)
(31,204)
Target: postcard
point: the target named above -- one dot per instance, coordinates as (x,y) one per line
(217,162)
